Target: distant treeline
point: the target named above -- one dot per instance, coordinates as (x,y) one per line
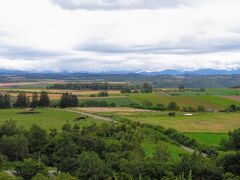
(88,86)
(123,87)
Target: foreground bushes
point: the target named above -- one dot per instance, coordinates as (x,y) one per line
(108,151)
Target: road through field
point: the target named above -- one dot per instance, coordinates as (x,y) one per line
(97,117)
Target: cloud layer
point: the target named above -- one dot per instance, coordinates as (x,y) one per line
(119,4)
(120,35)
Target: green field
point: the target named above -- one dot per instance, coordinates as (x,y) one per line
(213,91)
(218,101)
(46,118)
(209,102)
(149,148)
(199,122)
(208,138)
(119,101)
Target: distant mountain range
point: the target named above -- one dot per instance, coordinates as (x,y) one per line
(171,72)
(200,72)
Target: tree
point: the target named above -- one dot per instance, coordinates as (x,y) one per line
(232,108)
(233,142)
(91,166)
(37,138)
(9,128)
(230,162)
(172,106)
(29,168)
(44,100)
(22,100)
(14,147)
(34,102)
(201,167)
(68,100)
(147,88)
(5,101)
(103,94)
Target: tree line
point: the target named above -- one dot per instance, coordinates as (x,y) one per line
(123,87)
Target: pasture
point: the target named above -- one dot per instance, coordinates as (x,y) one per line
(208,138)
(46,118)
(209,102)
(149,147)
(221,122)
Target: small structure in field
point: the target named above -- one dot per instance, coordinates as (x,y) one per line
(188,114)
(29,110)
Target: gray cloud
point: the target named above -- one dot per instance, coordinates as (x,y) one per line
(184,46)
(120,4)
(14,52)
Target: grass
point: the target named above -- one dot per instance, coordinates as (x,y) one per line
(119,101)
(149,148)
(199,122)
(209,102)
(46,118)
(208,138)
(218,101)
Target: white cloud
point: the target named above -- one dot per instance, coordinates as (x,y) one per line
(143,35)
(120,4)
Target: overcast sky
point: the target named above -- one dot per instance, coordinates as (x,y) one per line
(119,35)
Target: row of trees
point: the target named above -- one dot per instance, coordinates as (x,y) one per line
(124,88)
(24,101)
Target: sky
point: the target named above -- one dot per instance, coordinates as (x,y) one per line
(119,35)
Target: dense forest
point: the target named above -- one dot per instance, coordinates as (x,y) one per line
(109,151)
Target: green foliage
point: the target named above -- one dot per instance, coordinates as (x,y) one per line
(230,162)
(68,100)
(64,176)
(103,94)
(37,139)
(44,100)
(5,176)
(9,128)
(233,142)
(14,147)
(5,101)
(172,106)
(40,177)
(201,168)
(35,101)
(29,168)
(91,167)
(22,100)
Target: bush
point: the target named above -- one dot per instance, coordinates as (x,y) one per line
(29,168)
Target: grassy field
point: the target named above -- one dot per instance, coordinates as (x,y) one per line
(149,148)
(209,102)
(208,138)
(199,122)
(46,118)
(196,92)
(119,101)
(218,101)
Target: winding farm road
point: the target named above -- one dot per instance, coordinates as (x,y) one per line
(97,117)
